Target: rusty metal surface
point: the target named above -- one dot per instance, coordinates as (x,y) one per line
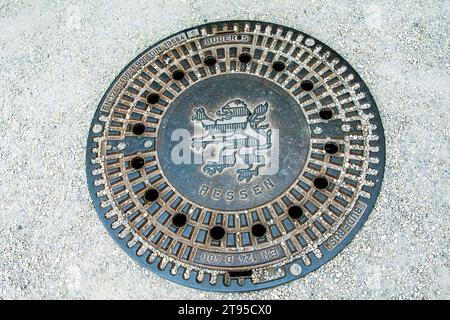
(238,222)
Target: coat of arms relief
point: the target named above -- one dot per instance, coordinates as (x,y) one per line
(239,135)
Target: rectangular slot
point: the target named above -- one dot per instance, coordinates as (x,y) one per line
(240,274)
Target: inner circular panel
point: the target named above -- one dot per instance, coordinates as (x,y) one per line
(233,142)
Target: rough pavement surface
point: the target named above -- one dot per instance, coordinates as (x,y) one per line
(58,58)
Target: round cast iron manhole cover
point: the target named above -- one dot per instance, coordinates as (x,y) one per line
(235,156)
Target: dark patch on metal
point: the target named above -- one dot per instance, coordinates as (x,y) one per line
(256,131)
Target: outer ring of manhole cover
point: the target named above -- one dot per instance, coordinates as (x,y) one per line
(302,169)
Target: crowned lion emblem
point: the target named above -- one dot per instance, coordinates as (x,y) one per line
(238,134)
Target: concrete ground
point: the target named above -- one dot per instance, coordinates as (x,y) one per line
(58,57)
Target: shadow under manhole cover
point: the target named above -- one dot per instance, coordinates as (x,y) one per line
(235,156)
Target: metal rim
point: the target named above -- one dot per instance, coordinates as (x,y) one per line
(295,265)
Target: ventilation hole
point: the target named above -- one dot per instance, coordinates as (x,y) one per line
(240,274)
(178,75)
(278,66)
(331,147)
(210,61)
(245,57)
(295,212)
(325,114)
(258,230)
(153,98)
(151,194)
(137,163)
(217,232)
(307,85)
(179,220)
(320,183)
(138,129)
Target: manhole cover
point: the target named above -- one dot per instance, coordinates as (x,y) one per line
(235,156)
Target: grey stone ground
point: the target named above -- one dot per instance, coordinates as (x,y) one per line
(58,57)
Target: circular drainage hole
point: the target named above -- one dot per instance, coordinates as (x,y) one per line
(151,194)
